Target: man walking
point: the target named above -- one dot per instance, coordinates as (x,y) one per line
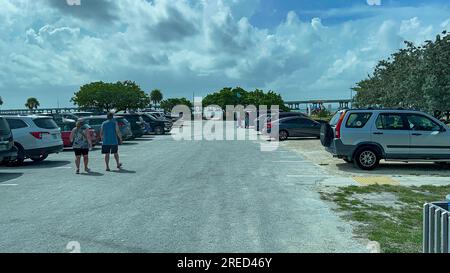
(111,138)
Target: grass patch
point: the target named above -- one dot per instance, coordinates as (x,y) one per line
(396,224)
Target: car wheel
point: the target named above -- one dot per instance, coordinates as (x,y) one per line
(283,135)
(159,130)
(39,158)
(367,159)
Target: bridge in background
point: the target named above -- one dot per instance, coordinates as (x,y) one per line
(312,104)
(39,111)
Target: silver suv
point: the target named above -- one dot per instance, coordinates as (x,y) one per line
(367,136)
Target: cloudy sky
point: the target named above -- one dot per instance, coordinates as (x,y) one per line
(303,49)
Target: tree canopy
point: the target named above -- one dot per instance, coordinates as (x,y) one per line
(169,104)
(239,96)
(414,77)
(121,96)
(156,96)
(32,103)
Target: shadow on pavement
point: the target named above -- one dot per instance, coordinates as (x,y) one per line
(40,165)
(127,143)
(144,139)
(70,150)
(91,173)
(5,177)
(123,171)
(301,138)
(429,169)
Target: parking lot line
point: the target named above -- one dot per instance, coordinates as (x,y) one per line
(308,176)
(291,161)
(8,185)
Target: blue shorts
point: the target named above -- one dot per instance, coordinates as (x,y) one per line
(110,149)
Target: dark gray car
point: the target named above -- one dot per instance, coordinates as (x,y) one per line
(296,127)
(96,122)
(7,148)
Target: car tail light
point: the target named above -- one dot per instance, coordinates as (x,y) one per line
(39,135)
(339,125)
(121,124)
(269,125)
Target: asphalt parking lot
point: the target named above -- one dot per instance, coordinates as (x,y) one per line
(173,196)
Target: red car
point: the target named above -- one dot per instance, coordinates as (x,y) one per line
(66,129)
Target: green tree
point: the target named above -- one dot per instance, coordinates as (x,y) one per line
(121,96)
(156,96)
(130,97)
(239,96)
(169,104)
(414,77)
(32,103)
(1,101)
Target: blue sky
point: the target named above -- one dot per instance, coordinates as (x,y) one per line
(313,49)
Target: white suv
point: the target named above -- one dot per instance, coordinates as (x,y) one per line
(367,136)
(35,137)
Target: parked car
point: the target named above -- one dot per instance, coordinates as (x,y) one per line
(367,136)
(294,127)
(35,137)
(159,127)
(136,122)
(83,114)
(66,129)
(262,120)
(95,122)
(7,148)
(70,116)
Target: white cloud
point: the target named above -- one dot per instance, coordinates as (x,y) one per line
(185,46)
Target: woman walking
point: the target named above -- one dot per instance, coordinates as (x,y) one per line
(81,143)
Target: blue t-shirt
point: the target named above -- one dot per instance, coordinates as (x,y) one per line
(109,132)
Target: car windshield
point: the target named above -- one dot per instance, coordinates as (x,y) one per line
(45,123)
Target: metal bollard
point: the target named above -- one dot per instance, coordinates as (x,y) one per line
(436,227)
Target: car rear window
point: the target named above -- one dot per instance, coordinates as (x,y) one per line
(95,121)
(4,127)
(358,120)
(336,118)
(45,123)
(16,123)
(66,127)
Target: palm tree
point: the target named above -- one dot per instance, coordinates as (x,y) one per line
(156,96)
(32,103)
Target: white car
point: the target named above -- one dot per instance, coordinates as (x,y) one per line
(35,137)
